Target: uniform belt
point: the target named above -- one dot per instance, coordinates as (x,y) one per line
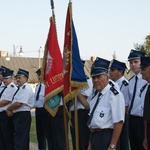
(132,116)
(98,129)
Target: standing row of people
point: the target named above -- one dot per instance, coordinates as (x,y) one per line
(115,112)
(108,110)
(16,102)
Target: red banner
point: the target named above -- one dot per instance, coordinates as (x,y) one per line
(52,70)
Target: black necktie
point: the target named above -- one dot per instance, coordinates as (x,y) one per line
(91,115)
(15,93)
(133,97)
(3,91)
(146,112)
(38,92)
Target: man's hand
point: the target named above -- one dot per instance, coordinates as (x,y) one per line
(145,143)
(9,113)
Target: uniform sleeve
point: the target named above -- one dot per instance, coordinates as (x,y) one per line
(117,108)
(125,92)
(25,97)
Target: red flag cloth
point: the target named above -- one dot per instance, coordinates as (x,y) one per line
(74,76)
(52,70)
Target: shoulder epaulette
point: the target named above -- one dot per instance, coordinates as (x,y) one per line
(110,83)
(142,89)
(125,82)
(12,86)
(131,77)
(24,87)
(114,90)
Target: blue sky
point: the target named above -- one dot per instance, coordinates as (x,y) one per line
(102,27)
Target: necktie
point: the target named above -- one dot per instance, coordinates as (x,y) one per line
(15,93)
(133,97)
(3,91)
(38,92)
(146,113)
(91,115)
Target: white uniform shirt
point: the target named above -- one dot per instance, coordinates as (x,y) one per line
(40,102)
(138,105)
(85,92)
(25,96)
(110,109)
(8,95)
(123,84)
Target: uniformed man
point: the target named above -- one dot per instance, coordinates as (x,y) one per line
(2,69)
(107,109)
(136,121)
(116,73)
(41,114)
(22,102)
(6,125)
(145,71)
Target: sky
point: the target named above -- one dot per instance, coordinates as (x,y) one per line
(102,26)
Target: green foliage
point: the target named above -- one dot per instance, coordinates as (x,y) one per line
(144,47)
(147,42)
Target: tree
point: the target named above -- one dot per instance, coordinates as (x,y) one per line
(147,42)
(144,47)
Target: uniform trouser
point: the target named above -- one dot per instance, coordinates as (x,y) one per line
(100,140)
(41,127)
(22,122)
(136,132)
(56,131)
(83,129)
(124,136)
(6,132)
(148,134)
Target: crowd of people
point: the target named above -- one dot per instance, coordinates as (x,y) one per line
(113,113)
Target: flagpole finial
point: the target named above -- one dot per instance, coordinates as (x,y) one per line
(52,4)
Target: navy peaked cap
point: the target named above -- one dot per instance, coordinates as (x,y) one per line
(3,68)
(22,72)
(118,65)
(145,62)
(100,66)
(135,54)
(8,73)
(39,71)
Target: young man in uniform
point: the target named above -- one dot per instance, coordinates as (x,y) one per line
(22,102)
(41,114)
(107,109)
(145,71)
(135,110)
(6,124)
(116,73)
